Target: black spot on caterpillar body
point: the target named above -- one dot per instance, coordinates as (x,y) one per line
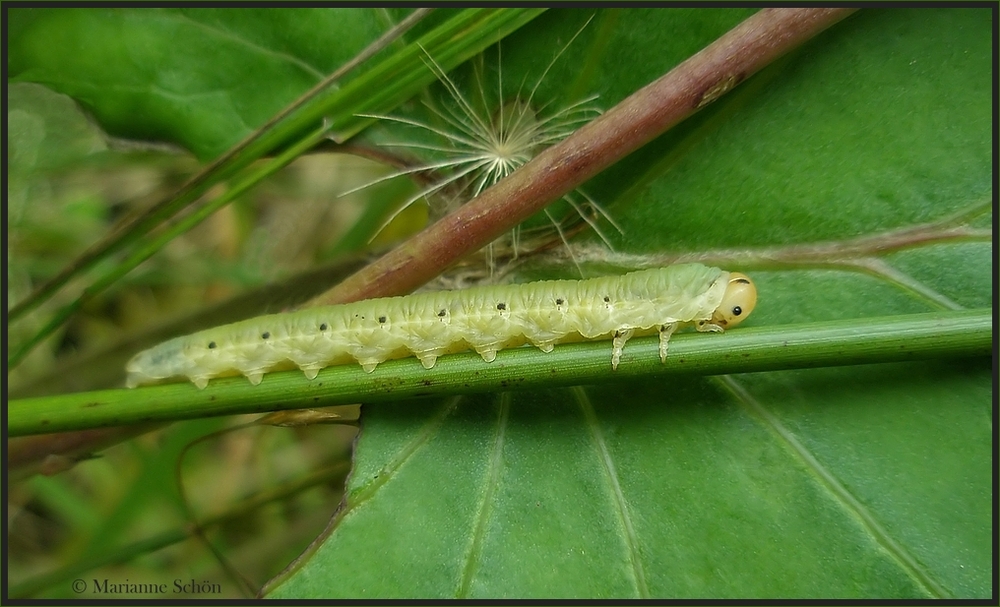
(485,319)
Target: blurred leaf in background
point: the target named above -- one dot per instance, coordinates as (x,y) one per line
(869,481)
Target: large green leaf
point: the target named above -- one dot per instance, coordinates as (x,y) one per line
(868,481)
(144,73)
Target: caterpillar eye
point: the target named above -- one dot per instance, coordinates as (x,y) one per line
(737,302)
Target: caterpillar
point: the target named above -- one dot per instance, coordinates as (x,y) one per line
(485,319)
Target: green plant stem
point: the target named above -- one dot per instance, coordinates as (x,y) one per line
(124,554)
(199,183)
(148,248)
(378,90)
(843,342)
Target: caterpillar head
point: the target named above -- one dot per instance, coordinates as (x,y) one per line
(737,302)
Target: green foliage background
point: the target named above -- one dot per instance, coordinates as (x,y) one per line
(868,481)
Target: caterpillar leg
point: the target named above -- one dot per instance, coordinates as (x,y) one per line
(705,326)
(489,353)
(427,360)
(665,332)
(311,371)
(546,346)
(621,336)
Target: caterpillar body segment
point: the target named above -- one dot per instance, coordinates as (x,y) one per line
(485,319)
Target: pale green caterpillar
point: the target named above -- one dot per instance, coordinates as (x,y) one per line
(484,319)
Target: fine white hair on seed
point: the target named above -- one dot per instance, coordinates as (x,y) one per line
(479,148)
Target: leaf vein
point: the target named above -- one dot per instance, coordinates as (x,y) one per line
(621,504)
(485,508)
(850,503)
(385,474)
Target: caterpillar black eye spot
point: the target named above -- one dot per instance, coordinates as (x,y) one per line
(607,299)
(737,310)
(501,306)
(211,345)
(381,319)
(442,313)
(322,327)
(265,335)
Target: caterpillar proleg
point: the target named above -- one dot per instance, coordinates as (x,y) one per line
(485,319)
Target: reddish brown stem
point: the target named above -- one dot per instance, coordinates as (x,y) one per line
(628,126)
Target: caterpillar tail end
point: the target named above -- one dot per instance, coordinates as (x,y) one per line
(138,373)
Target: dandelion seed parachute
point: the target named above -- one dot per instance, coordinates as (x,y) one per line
(478,148)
